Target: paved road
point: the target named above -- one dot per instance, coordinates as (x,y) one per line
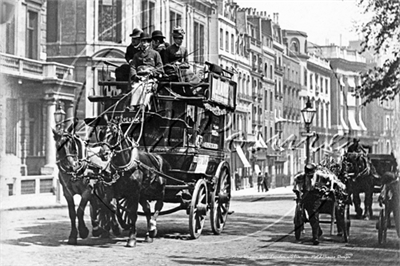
(258,233)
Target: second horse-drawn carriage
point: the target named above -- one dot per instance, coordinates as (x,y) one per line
(166,142)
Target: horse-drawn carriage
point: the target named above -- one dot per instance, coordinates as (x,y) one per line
(319,191)
(168,146)
(389,189)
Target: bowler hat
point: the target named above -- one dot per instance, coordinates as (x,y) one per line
(310,167)
(145,36)
(136,33)
(157,34)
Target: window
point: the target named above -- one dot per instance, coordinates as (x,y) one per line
(227,41)
(305,77)
(175,21)
(295,46)
(11,126)
(271,100)
(35,128)
(221,39)
(32,38)
(10,35)
(148,16)
(232,44)
(198,42)
(110,20)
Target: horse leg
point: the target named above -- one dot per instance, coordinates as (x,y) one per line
(114,223)
(153,222)
(147,212)
(368,205)
(357,204)
(83,230)
(72,239)
(134,204)
(94,216)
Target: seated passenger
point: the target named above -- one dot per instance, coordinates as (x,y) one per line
(122,72)
(145,61)
(159,44)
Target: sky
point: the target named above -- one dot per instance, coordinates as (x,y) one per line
(324,21)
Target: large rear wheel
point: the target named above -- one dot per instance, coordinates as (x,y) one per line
(198,209)
(220,199)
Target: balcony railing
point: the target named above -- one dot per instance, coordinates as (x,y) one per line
(34,69)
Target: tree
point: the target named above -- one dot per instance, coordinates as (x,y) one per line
(382,35)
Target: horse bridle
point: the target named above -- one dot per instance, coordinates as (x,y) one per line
(59,161)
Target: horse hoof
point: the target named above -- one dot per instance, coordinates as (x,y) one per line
(130,244)
(366,218)
(72,241)
(97,232)
(153,233)
(148,239)
(84,232)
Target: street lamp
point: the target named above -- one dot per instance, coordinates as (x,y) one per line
(59,116)
(308,115)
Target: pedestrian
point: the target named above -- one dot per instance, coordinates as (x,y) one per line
(312,202)
(237,180)
(252,177)
(260,182)
(266,181)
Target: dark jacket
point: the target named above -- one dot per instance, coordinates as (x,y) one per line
(173,54)
(131,51)
(149,58)
(161,49)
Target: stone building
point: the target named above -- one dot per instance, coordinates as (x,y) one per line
(33,88)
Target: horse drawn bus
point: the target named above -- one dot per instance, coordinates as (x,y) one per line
(165,141)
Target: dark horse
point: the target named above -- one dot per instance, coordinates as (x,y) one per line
(75,173)
(137,180)
(361,178)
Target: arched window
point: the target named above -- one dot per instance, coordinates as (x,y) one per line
(295,45)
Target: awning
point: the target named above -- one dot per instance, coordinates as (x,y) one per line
(242,156)
(260,143)
(352,120)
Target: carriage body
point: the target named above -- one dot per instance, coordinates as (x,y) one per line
(185,123)
(334,201)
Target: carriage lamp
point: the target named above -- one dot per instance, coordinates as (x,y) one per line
(308,115)
(59,116)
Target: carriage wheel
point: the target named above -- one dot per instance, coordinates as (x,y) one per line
(298,221)
(122,213)
(220,200)
(382,227)
(346,223)
(198,209)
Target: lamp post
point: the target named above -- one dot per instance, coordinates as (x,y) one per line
(59,116)
(308,113)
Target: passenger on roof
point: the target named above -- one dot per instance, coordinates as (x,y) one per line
(146,59)
(356,146)
(176,53)
(158,43)
(122,72)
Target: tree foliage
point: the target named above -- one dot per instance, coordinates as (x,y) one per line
(382,35)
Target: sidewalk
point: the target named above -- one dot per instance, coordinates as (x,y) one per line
(48,200)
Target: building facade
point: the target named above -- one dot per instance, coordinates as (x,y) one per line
(33,88)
